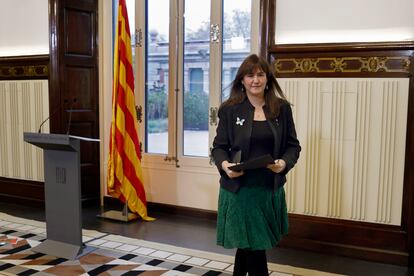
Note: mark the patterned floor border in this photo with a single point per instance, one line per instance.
(114, 255)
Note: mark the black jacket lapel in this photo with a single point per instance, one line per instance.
(277, 135)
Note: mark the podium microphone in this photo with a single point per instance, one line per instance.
(50, 116)
(70, 115)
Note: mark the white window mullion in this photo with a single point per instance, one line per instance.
(175, 76)
(215, 65)
(255, 28)
(140, 37)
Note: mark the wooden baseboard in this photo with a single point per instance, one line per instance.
(356, 252)
(22, 191)
(185, 211)
(116, 204)
(31, 193)
(360, 240)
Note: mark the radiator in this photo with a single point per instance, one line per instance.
(23, 106)
(352, 132)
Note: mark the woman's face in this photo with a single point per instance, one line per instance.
(255, 83)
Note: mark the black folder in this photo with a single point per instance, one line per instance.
(255, 163)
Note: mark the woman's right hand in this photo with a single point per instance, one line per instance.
(232, 174)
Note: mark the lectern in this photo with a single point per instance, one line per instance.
(62, 193)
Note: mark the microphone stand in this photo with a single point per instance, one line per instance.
(70, 115)
(50, 116)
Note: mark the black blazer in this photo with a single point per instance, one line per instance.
(234, 132)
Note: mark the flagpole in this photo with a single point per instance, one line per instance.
(125, 177)
(123, 215)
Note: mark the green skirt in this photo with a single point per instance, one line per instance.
(254, 218)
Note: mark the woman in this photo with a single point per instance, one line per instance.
(256, 120)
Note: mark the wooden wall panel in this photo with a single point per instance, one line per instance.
(369, 61)
(79, 43)
(71, 70)
(80, 92)
(356, 60)
(74, 80)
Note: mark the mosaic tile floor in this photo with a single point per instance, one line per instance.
(112, 255)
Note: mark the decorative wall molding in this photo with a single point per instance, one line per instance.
(371, 64)
(386, 59)
(24, 71)
(24, 67)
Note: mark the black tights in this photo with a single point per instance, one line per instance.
(253, 262)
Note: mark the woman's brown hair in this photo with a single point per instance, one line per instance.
(273, 93)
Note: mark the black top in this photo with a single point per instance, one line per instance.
(261, 143)
(262, 140)
(234, 133)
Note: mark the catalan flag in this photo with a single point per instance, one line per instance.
(125, 179)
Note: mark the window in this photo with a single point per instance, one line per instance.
(184, 72)
(156, 84)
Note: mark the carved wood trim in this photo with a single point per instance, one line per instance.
(321, 65)
(24, 67)
(383, 60)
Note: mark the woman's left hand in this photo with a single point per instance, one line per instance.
(278, 166)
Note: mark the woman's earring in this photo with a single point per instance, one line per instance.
(242, 88)
(267, 87)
